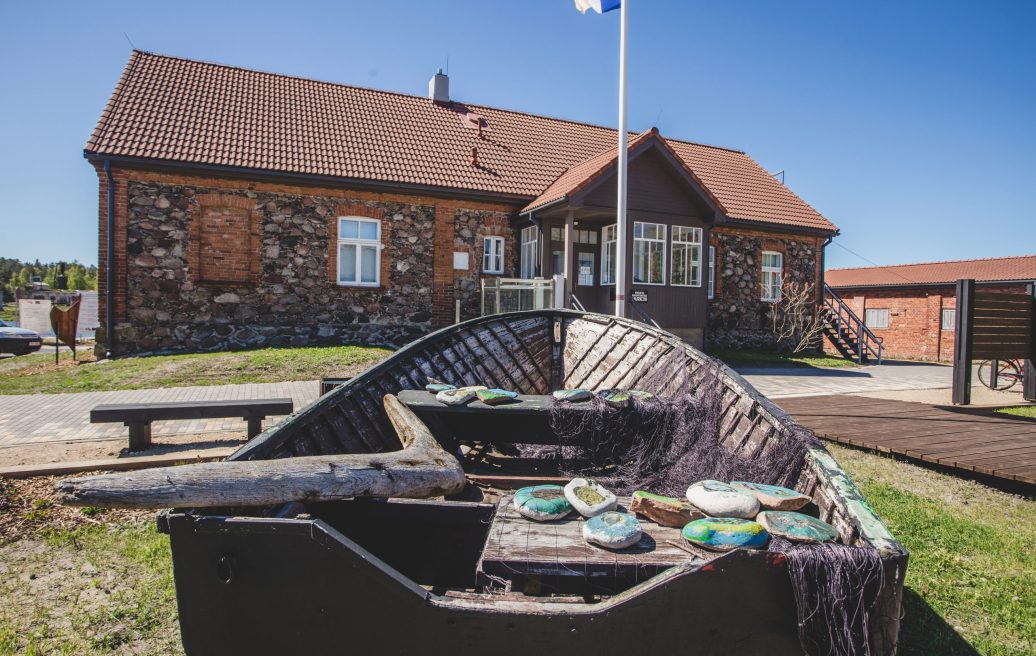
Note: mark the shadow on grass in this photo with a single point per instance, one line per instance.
(924, 632)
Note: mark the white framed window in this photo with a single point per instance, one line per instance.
(558, 258)
(557, 234)
(608, 247)
(772, 273)
(585, 268)
(876, 318)
(712, 272)
(493, 255)
(530, 251)
(359, 252)
(686, 266)
(949, 319)
(648, 253)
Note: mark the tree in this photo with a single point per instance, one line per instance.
(797, 324)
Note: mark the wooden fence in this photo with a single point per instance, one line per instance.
(993, 326)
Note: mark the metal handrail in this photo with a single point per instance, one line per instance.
(576, 304)
(866, 341)
(644, 316)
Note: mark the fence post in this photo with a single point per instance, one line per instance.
(1029, 378)
(962, 342)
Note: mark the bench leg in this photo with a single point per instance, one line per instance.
(255, 426)
(139, 435)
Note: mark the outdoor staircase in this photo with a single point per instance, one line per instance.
(846, 331)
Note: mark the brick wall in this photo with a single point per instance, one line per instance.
(207, 263)
(915, 315)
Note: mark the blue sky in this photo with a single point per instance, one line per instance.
(912, 125)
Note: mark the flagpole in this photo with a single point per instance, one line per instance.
(620, 219)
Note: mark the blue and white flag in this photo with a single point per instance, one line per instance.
(600, 6)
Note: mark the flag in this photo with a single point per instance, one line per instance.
(600, 6)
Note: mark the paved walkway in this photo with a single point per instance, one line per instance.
(811, 381)
(41, 418)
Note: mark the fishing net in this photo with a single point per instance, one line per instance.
(666, 442)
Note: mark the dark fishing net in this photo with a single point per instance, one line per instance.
(665, 443)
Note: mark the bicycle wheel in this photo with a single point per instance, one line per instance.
(1005, 376)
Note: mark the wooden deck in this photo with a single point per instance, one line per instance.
(968, 439)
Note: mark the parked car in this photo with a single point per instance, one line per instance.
(18, 340)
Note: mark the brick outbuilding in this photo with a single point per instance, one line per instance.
(911, 307)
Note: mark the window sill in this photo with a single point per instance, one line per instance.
(353, 285)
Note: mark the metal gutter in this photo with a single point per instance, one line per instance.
(109, 269)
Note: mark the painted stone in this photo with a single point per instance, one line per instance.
(573, 395)
(496, 396)
(641, 395)
(439, 387)
(458, 396)
(773, 497)
(589, 498)
(796, 526)
(664, 511)
(615, 397)
(717, 499)
(542, 502)
(726, 533)
(612, 530)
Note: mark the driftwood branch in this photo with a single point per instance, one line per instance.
(795, 317)
(421, 469)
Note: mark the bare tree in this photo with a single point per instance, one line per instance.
(796, 320)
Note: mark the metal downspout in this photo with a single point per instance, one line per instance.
(109, 272)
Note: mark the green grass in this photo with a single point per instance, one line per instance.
(92, 590)
(37, 374)
(8, 312)
(972, 571)
(741, 357)
(1020, 411)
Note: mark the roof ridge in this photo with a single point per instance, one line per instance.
(419, 97)
(977, 259)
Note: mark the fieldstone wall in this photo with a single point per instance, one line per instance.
(738, 318)
(292, 301)
(470, 228)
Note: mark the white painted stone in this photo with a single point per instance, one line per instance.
(603, 501)
(717, 499)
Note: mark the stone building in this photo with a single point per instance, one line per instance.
(242, 209)
(911, 308)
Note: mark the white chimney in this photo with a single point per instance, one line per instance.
(439, 88)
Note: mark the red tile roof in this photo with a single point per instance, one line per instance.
(180, 110)
(1022, 267)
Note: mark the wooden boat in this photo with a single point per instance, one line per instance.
(459, 575)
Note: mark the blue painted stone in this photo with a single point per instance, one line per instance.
(496, 396)
(797, 527)
(773, 497)
(726, 534)
(613, 530)
(573, 395)
(439, 387)
(542, 502)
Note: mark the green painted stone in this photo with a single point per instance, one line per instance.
(662, 510)
(773, 497)
(542, 503)
(458, 396)
(496, 396)
(615, 397)
(641, 395)
(726, 534)
(796, 526)
(573, 395)
(613, 530)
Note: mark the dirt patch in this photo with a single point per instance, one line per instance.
(57, 452)
(29, 508)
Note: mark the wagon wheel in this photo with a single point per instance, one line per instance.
(1007, 374)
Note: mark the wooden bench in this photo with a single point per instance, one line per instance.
(138, 416)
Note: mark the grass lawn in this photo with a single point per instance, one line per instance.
(107, 588)
(1020, 411)
(764, 358)
(9, 312)
(38, 374)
